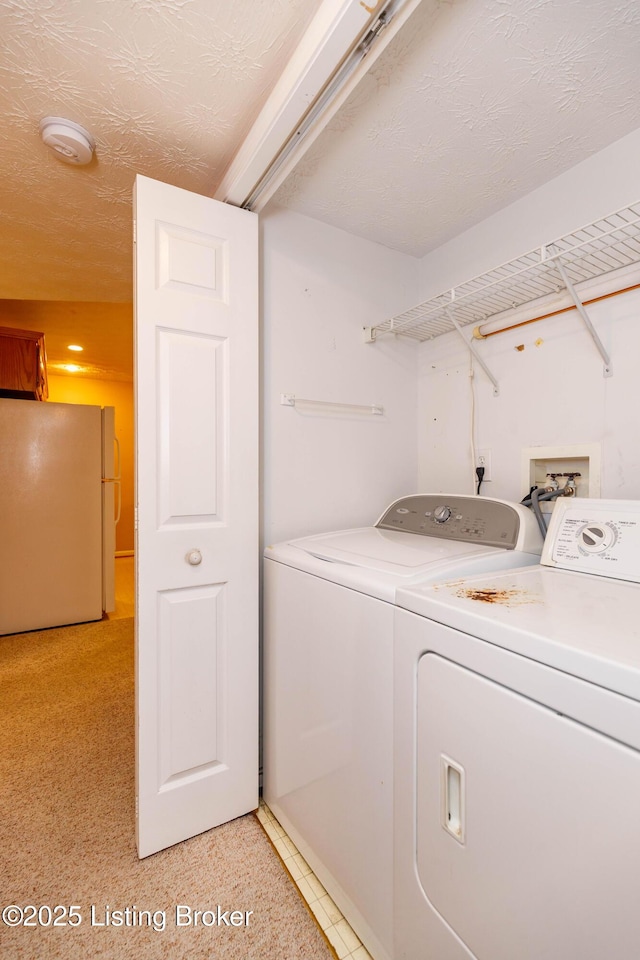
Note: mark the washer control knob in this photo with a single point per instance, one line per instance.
(194, 557)
(442, 514)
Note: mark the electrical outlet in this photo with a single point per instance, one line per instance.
(483, 459)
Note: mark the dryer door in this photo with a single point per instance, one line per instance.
(528, 834)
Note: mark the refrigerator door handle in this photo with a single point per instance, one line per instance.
(119, 510)
(117, 481)
(118, 476)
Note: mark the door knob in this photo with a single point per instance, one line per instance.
(194, 557)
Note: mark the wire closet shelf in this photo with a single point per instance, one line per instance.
(594, 251)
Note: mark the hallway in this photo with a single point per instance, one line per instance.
(125, 589)
(67, 822)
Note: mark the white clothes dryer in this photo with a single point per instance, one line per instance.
(328, 688)
(517, 763)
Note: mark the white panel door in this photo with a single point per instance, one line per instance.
(196, 323)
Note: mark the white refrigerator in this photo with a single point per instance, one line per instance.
(58, 493)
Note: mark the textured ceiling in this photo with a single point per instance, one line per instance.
(474, 104)
(168, 88)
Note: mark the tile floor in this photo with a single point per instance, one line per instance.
(335, 927)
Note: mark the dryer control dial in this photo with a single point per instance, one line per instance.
(600, 537)
(441, 514)
(596, 537)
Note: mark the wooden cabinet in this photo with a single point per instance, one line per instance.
(23, 364)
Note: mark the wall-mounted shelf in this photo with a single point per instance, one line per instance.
(558, 273)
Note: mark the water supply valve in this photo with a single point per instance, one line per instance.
(570, 484)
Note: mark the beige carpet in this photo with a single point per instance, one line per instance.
(67, 823)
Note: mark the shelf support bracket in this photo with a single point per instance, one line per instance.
(580, 307)
(471, 348)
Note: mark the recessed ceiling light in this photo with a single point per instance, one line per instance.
(71, 367)
(74, 346)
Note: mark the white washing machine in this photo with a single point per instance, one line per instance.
(517, 735)
(328, 680)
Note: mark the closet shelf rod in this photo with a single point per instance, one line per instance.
(479, 334)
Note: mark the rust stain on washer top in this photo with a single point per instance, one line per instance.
(510, 598)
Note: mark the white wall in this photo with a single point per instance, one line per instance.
(550, 394)
(325, 471)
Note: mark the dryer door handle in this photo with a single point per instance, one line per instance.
(452, 791)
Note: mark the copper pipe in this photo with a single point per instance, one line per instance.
(477, 333)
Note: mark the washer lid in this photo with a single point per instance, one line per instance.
(402, 554)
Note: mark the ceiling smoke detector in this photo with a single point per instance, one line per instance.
(68, 140)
